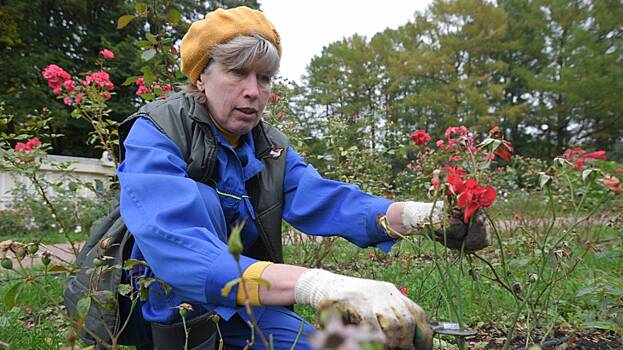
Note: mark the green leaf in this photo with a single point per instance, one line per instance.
(148, 54)
(59, 268)
(145, 282)
(124, 289)
(174, 16)
(228, 286)
(165, 286)
(544, 180)
(106, 298)
(143, 44)
(521, 262)
(151, 38)
(262, 282)
(585, 291)
(148, 97)
(607, 325)
(10, 298)
(486, 142)
(131, 263)
(123, 21)
(130, 80)
(235, 243)
(148, 75)
(586, 173)
(140, 7)
(83, 306)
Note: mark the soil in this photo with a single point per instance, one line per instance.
(590, 339)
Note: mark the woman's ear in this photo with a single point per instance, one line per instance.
(200, 86)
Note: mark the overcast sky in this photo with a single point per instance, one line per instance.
(306, 26)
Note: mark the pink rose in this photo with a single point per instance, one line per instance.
(69, 86)
(33, 143)
(68, 101)
(22, 147)
(101, 79)
(55, 76)
(79, 97)
(142, 89)
(107, 54)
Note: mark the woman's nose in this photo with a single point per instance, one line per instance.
(250, 88)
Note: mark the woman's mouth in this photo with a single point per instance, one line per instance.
(247, 111)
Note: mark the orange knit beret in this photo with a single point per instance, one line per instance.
(219, 27)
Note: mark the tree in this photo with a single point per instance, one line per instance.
(71, 34)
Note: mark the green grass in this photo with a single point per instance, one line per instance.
(36, 322)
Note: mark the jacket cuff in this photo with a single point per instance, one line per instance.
(220, 273)
(377, 235)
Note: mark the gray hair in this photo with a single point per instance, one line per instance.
(240, 52)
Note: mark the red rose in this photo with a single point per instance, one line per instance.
(420, 137)
(475, 196)
(595, 155)
(273, 98)
(504, 150)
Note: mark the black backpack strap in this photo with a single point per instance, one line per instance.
(185, 122)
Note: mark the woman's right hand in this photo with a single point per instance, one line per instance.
(380, 305)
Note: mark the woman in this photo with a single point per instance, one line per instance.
(182, 191)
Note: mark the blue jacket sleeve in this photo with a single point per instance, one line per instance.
(324, 207)
(178, 223)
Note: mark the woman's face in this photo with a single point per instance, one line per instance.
(236, 98)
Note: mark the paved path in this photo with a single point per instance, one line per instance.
(59, 253)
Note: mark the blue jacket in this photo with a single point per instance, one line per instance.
(181, 226)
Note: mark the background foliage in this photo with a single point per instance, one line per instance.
(548, 72)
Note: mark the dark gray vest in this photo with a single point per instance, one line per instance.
(187, 123)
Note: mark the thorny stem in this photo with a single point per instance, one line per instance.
(248, 308)
(100, 136)
(127, 320)
(509, 334)
(497, 277)
(35, 181)
(220, 336)
(185, 333)
(298, 335)
(49, 204)
(498, 239)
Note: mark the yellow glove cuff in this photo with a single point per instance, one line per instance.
(384, 224)
(251, 275)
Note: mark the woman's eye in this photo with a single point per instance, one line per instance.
(237, 72)
(265, 78)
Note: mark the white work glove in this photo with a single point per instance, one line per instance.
(380, 305)
(416, 215)
(458, 235)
